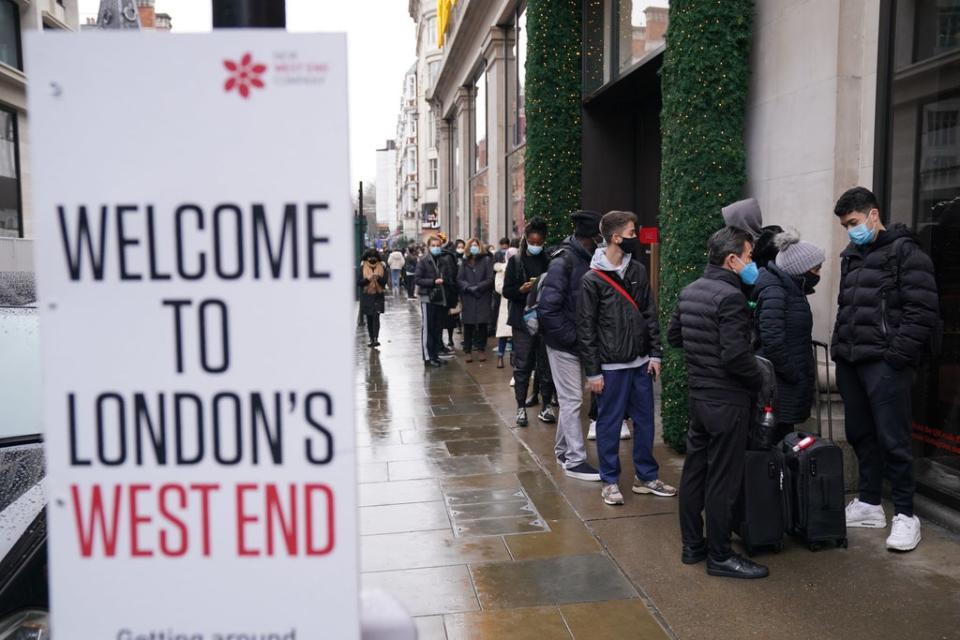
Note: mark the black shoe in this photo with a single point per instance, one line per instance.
(532, 401)
(694, 554)
(736, 567)
(432, 363)
(376, 343)
(546, 415)
(521, 417)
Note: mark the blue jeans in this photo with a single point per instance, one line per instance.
(395, 279)
(626, 392)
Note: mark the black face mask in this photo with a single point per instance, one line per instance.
(372, 260)
(810, 281)
(630, 245)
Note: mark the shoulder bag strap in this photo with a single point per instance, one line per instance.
(613, 283)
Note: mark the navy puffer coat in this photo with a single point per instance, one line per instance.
(784, 325)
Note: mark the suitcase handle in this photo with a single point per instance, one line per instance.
(817, 345)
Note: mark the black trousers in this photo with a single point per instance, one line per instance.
(411, 283)
(373, 326)
(529, 353)
(878, 421)
(712, 473)
(431, 329)
(475, 337)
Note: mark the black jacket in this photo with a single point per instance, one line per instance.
(449, 265)
(785, 325)
(410, 264)
(888, 305)
(475, 280)
(560, 296)
(426, 276)
(712, 325)
(370, 303)
(609, 328)
(520, 268)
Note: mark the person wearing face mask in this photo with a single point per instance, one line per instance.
(522, 272)
(373, 278)
(558, 302)
(618, 337)
(711, 323)
(475, 280)
(433, 303)
(887, 317)
(504, 331)
(785, 325)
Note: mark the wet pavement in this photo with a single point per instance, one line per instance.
(471, 524)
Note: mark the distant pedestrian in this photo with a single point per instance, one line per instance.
(501, 253)
(476, 294)
(373, 278)
(618, 336)
(522, 272)
(433, 303)
(712, 325)
(410, 272)
(558, 305)
(784, 324)
(395, 262)
(504, 330)
(889, 312)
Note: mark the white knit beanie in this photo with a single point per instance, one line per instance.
(796, 257)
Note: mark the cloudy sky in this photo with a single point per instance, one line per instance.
(381, 47)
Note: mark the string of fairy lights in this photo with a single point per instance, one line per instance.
(705, 78)
(552, 106)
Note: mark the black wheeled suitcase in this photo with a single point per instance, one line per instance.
(760, 522)
(813, 483)
(759, 513)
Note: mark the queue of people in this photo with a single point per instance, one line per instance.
(581, 315)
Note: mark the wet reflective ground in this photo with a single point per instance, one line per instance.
(473, 526)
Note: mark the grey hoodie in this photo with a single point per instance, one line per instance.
(745, 215)
(601, 262)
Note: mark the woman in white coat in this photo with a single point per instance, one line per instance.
(504, 331)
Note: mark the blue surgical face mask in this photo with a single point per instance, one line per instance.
(750, 272)
(435, 251)
(474, 250)
(534, 250)
(860, 234)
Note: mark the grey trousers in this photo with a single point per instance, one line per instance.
(568, 380)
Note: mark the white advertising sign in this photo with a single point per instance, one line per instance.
(190, 204)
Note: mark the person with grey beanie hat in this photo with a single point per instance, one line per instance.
(785, 325)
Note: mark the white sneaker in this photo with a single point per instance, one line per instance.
(592, 431)
(904, 534)
(511, 382)
(868, 516)
(625, 431)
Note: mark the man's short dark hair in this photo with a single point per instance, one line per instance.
(537, 225)
(725, 242)
(505, 241)
(614, 221)
(858, 199)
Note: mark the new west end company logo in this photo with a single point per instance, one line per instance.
(243, 75)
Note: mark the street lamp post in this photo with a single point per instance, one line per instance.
(249, 13)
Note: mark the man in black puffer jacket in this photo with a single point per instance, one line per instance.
(888, 313)
(785, 325)
(712, 325)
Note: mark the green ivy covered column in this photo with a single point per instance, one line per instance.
(552, 107)
(704, 84)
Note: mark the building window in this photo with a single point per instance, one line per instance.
(433, 69)
(480, 123)
(518, 120)
(432, 173)
(11, 220)
(10, 34)
(917, 178)
(430, 31)
(620, 35)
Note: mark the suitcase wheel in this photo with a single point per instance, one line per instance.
(814, 546)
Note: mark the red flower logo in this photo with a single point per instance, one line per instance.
(244, 75)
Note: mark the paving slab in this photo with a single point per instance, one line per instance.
(423, 549)
(534, 623)
(425, 592)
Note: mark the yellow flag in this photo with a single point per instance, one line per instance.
(443, 14)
